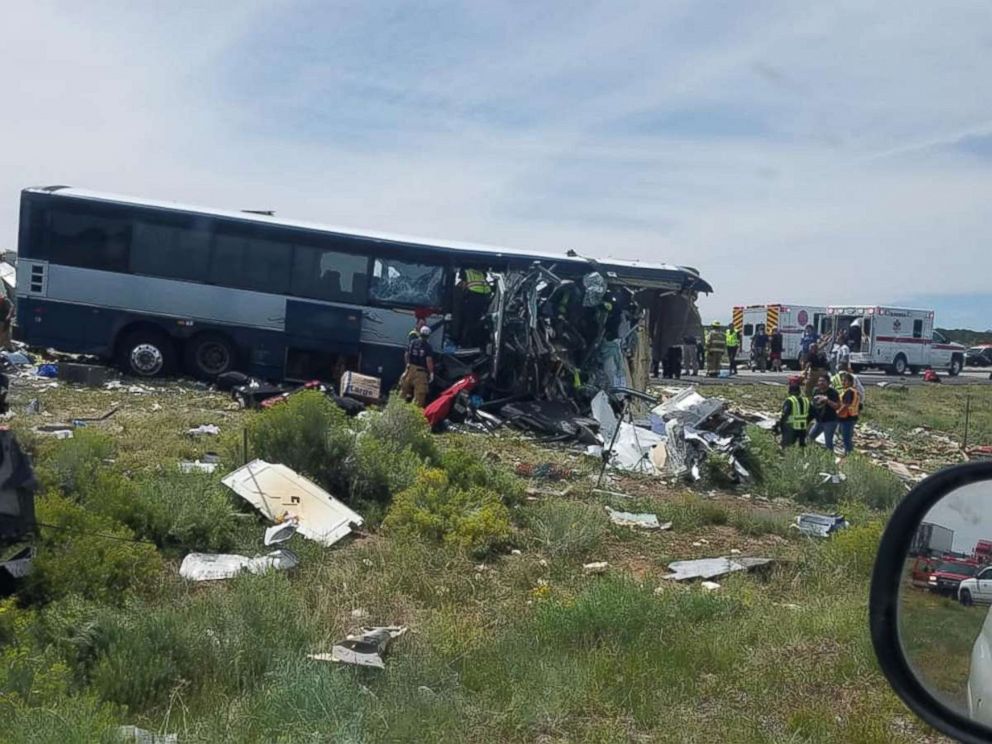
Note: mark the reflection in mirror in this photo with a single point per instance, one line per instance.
(945, 623)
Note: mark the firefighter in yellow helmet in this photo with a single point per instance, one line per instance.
(716, 344)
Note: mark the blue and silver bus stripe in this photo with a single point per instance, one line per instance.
(204, 303)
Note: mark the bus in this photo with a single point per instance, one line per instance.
(160, 287)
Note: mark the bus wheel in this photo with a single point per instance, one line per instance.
(209, 355)
(899, 365)
(146, 353)
(956, 365)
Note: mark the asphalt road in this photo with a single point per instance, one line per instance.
(970, 376)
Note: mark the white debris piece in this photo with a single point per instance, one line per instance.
(711, 568)
(195, 466)
(710, 586)
(834, 478)
(633, 444)
(204, 430)
(280, 533)
(596, 568)
(367, 649)
(215, 566)
(820, 525)
(644, 521)
(135, 735)
(280, 494)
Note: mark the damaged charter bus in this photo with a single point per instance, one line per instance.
(159, 287)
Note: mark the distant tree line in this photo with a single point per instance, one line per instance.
(967, 336)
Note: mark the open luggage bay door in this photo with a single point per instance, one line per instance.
(282, 494)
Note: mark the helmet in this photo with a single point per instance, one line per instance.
(425, 330)
(412, 334)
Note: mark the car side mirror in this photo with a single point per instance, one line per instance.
(933, 633)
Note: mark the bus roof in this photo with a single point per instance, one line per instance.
(637, 273)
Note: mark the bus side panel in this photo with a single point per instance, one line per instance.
(385, 362)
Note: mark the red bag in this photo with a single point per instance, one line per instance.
(438, 410)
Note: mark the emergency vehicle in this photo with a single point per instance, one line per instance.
(895, 339)
(790, 319)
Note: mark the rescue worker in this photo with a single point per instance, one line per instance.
(733, 346)
(795, 415)
(716, 344)
(847, 412)
(809, 338)
(759, 348)
(689, 355)
(475, 302)
(419, 373)
(826, 401)
(837, 383)
(816, 365)
(777, 344)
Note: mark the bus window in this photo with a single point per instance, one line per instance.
(89, 241)
(251, 263)
(171, 251)
(329, 275)
(403, 283)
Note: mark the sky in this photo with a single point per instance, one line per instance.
(967, 511)
(789, 152)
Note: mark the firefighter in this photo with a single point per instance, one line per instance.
(795, 415)
(419, 372)
(716, 344)
(733, 346)
(476, 294)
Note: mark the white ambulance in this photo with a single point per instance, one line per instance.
(895, 339)
(791, 319)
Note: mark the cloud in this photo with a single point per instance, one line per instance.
(814, 154)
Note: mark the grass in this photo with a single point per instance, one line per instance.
(938, 633)
(514, 647)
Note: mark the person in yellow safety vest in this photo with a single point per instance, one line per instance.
(795, 415)
(847, 414)
(733, 346)
(837, 383)
(477, 294)
(716, 344)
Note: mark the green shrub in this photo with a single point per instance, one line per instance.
(437, 510)
(465, 468)
(392, 445)
(567, 529)
(403, 425)
(852, 551)
(222, 641)
(88, 554)
(378, 469)
(191, 510)
(869, 484)
(71, 463)
(307, 433)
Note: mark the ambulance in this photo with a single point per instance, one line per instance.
(791, 319)
(895, 339)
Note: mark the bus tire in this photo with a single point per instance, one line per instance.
(899, 365)
(146, 352)
(957, 363)
(208, 355)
